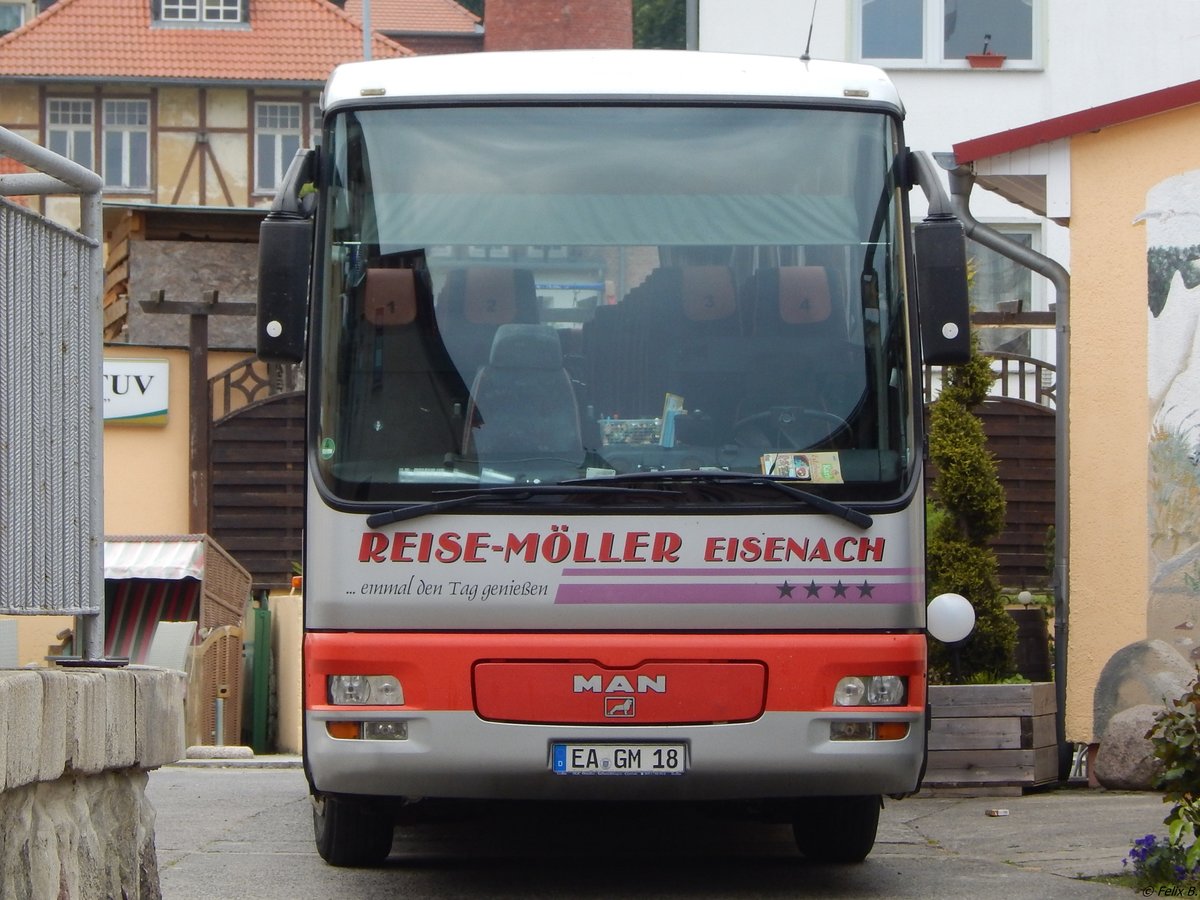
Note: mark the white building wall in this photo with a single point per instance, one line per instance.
(1090, 53)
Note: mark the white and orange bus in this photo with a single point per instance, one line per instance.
(614, 435)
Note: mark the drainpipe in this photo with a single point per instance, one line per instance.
(962, 179)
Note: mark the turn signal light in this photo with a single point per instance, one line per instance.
(868, 731)
(372, 730)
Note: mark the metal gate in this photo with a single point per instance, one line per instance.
(51, 400)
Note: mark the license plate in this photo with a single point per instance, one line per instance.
(618, 759)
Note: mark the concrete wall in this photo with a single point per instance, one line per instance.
(75, 748)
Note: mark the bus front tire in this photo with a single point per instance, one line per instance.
(836, 829)
(351, 832)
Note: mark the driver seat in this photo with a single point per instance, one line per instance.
(806, 360)
(522, 402)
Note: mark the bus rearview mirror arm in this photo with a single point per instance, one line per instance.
(939, 244)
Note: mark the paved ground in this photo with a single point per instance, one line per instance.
(1068, 832)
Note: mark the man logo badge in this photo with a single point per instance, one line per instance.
(618, 708)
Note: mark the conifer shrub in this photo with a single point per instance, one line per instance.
(969, 505)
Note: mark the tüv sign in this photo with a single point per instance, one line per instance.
(136, 391)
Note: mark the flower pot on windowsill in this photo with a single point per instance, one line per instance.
(986, 60)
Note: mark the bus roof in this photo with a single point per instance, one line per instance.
(608, 74)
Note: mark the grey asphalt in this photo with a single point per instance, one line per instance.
(1071, 831)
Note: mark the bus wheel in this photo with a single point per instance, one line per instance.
(836, 829)
(351, 832)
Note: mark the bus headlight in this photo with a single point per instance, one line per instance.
(362, 690)
(870, 690)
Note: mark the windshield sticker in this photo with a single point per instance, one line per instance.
(816, 468)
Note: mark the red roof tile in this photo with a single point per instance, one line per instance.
(287, 41)
(417, 16)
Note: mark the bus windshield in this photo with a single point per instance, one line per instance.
(533, 294)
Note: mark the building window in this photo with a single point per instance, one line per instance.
(999, 284)
(69, 130)
(277, 137)
(12, 16)
(900, 33)
(201, 11)
(127, 144)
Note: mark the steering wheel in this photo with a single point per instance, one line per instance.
(789, 427)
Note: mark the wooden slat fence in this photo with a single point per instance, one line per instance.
(256, 497)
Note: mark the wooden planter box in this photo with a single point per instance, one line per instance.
(992, 735)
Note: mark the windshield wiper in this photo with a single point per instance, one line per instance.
(720, 476)
(504, 492)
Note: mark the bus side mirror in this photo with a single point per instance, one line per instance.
(285, 248)
(944, 309)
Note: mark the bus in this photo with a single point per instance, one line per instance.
(614, 436)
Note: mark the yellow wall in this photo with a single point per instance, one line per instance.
(287, 633)
(178, 107)
(21, 108)
(146, 467)
(1111, 171)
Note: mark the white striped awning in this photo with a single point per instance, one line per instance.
(170, 557)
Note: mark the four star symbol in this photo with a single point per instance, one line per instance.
(812, 590)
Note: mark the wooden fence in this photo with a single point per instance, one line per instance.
(1018, 420)
(256, 495)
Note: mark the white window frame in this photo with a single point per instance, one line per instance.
(314, 124)
(65, 120)
(933, 41)
(278, 136)
(210, 11)
(119, 173)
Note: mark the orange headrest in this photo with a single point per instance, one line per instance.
(390, 297)
(708, 293)
(804, 295)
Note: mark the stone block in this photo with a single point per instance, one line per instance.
(74, 746)
(86, 751)
(21, 706)
(57, 703)
(120, 735)
(1125, 760)
(160, 724)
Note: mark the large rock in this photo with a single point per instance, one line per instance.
(1149, 671)
(1125, 760)
(91, 836)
